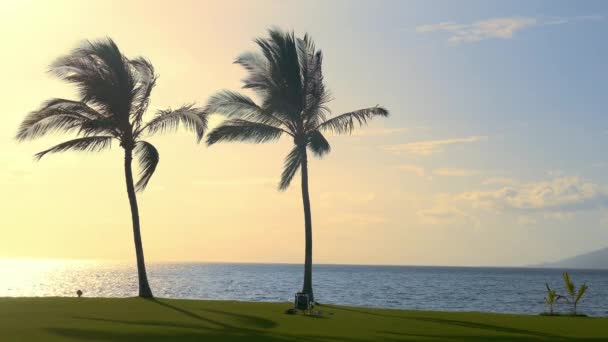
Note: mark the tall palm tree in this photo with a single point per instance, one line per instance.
(114, 95)
(287, 78)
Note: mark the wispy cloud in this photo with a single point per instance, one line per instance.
(234, 182)
(415, 169)
(346, 198)
(441, 172)
(499, 181)
(526, 220)
(378, 132)
(444, 213)
(440, 215)
(496, 28)
(560, 194)
(425, 148)
(556, 199)
(455, 172)
(357, 219)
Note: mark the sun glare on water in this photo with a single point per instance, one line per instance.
(48, 277)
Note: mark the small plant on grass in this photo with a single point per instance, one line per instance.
(552, 298)
(574, 294)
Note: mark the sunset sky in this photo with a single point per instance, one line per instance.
(494, 154)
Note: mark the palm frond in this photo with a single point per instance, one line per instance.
(258, 76)
(233, 104)
(192, 118)
(102, 74)
(581, 292)
(290, 167)
(315, 94)
(100, 126)
(569, 284)
(318, 144)
(345, 123)
(145, 81)
(56, 115)
(277, 79)
(32, 128)
(243, 130)
(148, 160)
(90, 144)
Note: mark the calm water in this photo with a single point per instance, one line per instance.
(511, 290)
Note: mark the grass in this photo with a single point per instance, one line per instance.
(133, 319)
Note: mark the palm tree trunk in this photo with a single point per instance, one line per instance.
(308, 228)
(144, 287)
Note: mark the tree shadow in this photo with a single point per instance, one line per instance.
(257, 322)
(254, 328)
(85, 334)
(399, 336)
(363, 311)
(151, 323)
(105, 335)
(190, 313)
(484, 326)
(459, 323)
(253, 321)
(209, 328)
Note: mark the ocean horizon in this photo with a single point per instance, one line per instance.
(518, 290)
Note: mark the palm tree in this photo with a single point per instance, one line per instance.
(287, 78)
(114, 95)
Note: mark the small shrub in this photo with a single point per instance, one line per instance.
(551, 299)
(574, 294)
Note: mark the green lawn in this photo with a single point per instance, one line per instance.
(96, 319)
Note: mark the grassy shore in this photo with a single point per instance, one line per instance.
(132, 319)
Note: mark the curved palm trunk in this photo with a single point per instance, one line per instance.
(144, 287)
(308, 228)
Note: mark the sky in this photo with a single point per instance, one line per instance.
(493, 153)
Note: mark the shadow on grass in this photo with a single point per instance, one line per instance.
(190, 313)
(254, 321)
(250, 322)
(529, 335)
(253, 328)
(484, 326)
(105, 335)
(208, 328)
(398, 336)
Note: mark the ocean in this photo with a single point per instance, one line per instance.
(504, 290)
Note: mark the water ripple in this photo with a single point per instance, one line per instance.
(511, 290)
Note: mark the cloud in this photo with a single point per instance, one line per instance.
(372, 132)
(499, 181)
(415, 169)
(357, 219)
(440, 215)
(348, 197)
(496, 28)
(501, 28)
(235, 182)
(378, 132)
(445, 213)
(425, 148)
(441, 172)
(557, 199)
(559, 215)
(454, 172)
(525, 220)
(560, 194)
